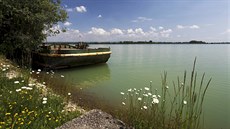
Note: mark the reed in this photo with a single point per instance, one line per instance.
(175, 106)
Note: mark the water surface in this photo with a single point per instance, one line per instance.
(134, 66)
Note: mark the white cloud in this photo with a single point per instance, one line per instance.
(139, 31)
(194, 27)
(166, 33)
(98, 31)
(189, 27)
(135, 32)
(76, 31)
(114, 34)
(71, 31)
(81, 9)
(117, 31)
(71, 35)
(67, 23)
(180, 27)
(161, 28)
(134, 21)
(69, 10)
(142, 19)
(153, 29)
(228, 31)
(130, 31)
(99, 16)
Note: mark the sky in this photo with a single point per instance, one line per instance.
(145, 20)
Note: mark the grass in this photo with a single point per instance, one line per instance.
(26, 104)
(175, 106)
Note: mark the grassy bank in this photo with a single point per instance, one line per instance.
(175, 106)
(26, 103)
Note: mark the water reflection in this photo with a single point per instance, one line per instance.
(81, 79)
(77, 81)
(86, 76)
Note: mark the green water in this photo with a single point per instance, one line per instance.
(134, 66)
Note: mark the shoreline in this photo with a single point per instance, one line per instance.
(150, 43)
(90, 118)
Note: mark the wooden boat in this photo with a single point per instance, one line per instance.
(57, 56)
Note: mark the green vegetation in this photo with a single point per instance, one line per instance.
(173, 107)
(28, 104)
(26, 23)
(196, 42)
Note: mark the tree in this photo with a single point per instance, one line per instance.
(25, 24)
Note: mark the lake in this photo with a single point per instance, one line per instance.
(134, 66)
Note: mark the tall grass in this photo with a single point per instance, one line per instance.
(175, 106)
(24, 105)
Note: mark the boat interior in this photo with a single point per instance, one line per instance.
(64, 46)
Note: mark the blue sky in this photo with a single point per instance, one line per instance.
(144, 20)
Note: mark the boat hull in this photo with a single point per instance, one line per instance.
(59, 61)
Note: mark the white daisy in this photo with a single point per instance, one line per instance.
(155, 100)
(146, 88)
(16, 82)
(185, 102)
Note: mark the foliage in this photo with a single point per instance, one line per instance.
(173, 107)
(28, 105)
(25, 24)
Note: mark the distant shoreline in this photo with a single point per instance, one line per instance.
(176, 43)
